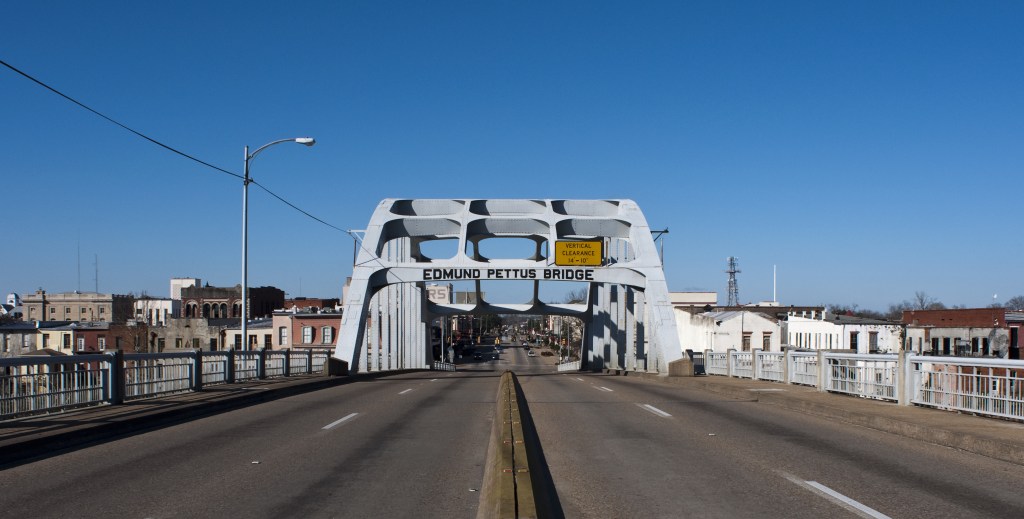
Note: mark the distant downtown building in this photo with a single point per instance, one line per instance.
(77, 307)
(226, 302)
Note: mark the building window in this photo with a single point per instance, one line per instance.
(746, 341)
(53, 310)
(307, 335)
(853, 340)
(177, 343)
(81, 344)
(326, 335)
(161, 343)
(282, 336)
(67, 310)
(238, 341)
(67, 341)
(872, 342)
(266, 341)
(766, 341)
(102, 342)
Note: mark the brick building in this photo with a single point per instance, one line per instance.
(971, 332)
(226, 302)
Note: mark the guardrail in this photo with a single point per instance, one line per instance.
(39, 385)
(991, 387)
(442, 366)
(572, 365)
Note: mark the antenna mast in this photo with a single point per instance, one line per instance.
(734, 290)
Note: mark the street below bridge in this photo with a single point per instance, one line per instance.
(414, 445)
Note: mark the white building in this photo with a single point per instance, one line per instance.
(826, 331)
(179, 283)
(155, 311)
(720, 331)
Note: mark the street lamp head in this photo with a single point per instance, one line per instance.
(308, 141)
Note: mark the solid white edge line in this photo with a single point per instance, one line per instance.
(336, 422)
(837, 498)
(655, 410)
(404, 392)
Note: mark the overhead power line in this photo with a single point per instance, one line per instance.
(158, 143)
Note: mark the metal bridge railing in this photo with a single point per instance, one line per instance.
(770, 365)
(990, 387)
(571, 365)
(55, 383)
(39, 385)
(983, 386)
(442, 366)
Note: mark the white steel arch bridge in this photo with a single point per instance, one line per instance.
(628, 319)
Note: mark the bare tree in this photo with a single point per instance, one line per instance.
(1015, 303)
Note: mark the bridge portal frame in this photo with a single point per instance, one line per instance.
(628, 319)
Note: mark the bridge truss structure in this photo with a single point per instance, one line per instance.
(628, 322)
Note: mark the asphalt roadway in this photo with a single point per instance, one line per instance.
(413, 445)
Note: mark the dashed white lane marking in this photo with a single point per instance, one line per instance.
(602, 388)
(580, 379)
(404, 392)
(839, 499)
(433, 380)
(340, 421)
(655, 410)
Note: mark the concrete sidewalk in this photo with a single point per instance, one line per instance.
(26, 439)
(992, 437)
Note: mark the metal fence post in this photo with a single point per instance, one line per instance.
(309, 361)
(287, 362)
(754, 368)
(117, 377)
(822, 371)
(229, 369)
(903, 378)
(786, 359)
(261, 363)
(197, 370)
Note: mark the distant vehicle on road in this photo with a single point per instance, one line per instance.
(477, 356)
(525, 344)
(531, 353)
(546, 354)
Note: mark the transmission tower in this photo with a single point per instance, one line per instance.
(734, 289)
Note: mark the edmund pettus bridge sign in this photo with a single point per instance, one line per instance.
(604, 245)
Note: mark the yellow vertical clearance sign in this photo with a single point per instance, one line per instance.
(579, 253)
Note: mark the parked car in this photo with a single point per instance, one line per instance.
(531, 353)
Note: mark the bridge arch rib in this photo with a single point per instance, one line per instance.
(628, 319)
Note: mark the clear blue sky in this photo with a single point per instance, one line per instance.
(868, 149)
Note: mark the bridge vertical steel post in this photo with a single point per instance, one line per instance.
(229, 366)
(117, 377)
(261, 363)
(197, 370)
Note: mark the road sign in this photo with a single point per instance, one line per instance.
(579, 253)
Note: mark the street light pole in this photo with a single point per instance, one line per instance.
(246, 179)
